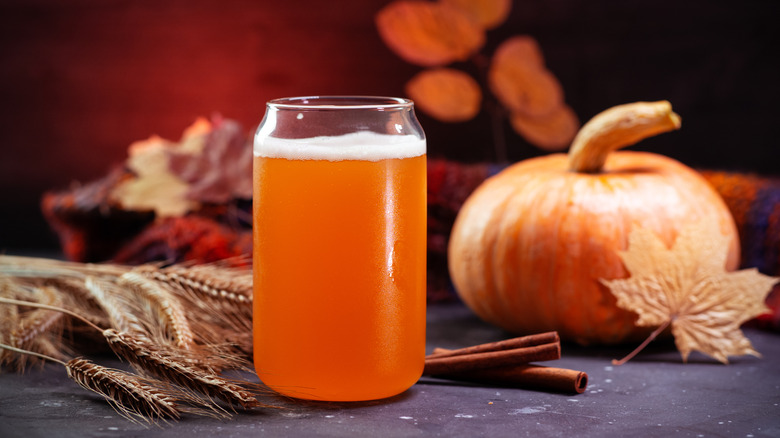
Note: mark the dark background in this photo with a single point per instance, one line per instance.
(82, 79)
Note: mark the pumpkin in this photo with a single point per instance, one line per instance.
(530, 245)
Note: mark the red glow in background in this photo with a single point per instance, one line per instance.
(82, 79)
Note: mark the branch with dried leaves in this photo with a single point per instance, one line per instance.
(518, 85)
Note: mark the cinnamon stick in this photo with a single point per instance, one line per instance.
(449, 364)
(528, 377)
(508, 344)
(506, 363)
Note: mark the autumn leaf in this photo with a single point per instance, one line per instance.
(550, 132)
(429, 34)
(222, 170)
(520, 48)
(487, 13)
(154, 187)
(446, 94)
(687, 287)
(520, 81)
(212, 163)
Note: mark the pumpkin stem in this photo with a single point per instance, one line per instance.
(616, 128)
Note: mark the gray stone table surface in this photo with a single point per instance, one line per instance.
(654, 395)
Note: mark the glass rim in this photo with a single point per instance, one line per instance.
(314, 103)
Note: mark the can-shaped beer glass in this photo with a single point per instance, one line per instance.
(339, 249)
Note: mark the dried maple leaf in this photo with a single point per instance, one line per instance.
(154, 187)
(446, 94)
(429, 34)
(688, 288)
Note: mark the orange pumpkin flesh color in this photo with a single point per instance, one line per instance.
(530, 245)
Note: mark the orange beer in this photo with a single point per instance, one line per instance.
(339, 265)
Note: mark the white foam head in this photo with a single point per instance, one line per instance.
(361, 145)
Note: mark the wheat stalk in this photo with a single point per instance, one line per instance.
(214, 298)
(160, 300)
(36, 267)
(223, 293)
(37, 329)
(231, 286)
(110, 299)
(79, 296)
(152, 313)
(174, 368)
(9, 318)
(177, 367)
(130, 396)
(220, 300)
(36, 321)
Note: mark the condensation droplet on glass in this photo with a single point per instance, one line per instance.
(299, 116)
(399, 128)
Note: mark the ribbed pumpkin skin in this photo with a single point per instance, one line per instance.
(530, 245)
